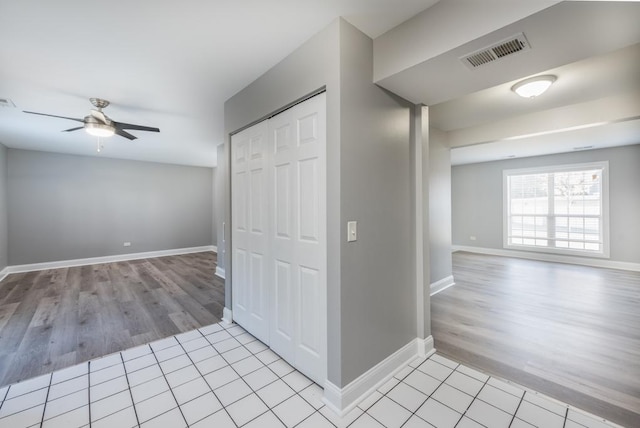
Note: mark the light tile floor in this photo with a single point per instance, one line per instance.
(220, 376)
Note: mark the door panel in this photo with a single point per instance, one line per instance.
(249, 235)
(283, 204)
(310, 241)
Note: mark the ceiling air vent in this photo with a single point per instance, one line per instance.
(510, 46)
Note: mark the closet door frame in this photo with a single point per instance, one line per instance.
(295, 259)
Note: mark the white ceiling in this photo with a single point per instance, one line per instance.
(173, 64)
(167, 64)
(592, 47)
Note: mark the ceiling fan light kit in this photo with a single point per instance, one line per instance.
(99, 129)
(533, 86)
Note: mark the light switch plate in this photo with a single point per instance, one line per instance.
(352, 231)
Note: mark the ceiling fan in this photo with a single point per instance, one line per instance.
(99, 125)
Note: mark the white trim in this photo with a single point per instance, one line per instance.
(214, 248)
(419, 113)
(106, 259)
(426, 347)
(227, 315)
(443, 284)
(343, 400)
(584, 261)
(4, 273)
(220, 272)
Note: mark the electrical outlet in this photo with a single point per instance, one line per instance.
(127, 244)
(472, 238)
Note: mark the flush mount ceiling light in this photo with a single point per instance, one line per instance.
(534, 86)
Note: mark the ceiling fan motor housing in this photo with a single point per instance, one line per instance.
(99, 102)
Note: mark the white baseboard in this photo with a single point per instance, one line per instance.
(343, 400)
(220, 272)
(4, 273)
(426, 347)
(106, 259)
(443, 284)
(214, 248)
(558, 258)
(227, 315)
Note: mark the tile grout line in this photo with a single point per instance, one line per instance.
(474, 398)
(442, 382)
(428, 395)
(513, 418)
(126, 376)
(413, 369)
(153, 352)
(202, 376)
(240, 377)
(269, 409)
(44, 409)
(6, 394)
(88, 389)
(314, 408)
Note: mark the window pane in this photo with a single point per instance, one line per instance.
(528, 226)
(528, 194)
(516, 226)
(558, 209)
(592, 226)
(562, 227)
(576, 228)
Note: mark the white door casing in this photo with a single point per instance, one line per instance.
(295, 281)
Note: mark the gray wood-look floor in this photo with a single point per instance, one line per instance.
(571, 332)
(56, 318)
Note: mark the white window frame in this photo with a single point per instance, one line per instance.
(604, 217)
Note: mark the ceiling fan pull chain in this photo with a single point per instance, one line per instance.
(100, 146)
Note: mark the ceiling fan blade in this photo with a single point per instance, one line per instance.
(53, 115)
(100, 116)
(120, 125)
(73, 129)
(125, 134)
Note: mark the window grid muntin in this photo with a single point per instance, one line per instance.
(574, 205)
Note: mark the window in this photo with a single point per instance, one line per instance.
(559, 209)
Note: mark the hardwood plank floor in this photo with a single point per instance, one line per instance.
(56, 318)
(571, 332)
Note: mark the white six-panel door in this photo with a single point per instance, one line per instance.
(250, 222)
(295, 282)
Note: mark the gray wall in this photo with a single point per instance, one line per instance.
(371, 295)
(65, 207)
(4, 232)
(439, 205)
(378, 289)
(477, 198)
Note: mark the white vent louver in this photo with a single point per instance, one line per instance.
(510, 46)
